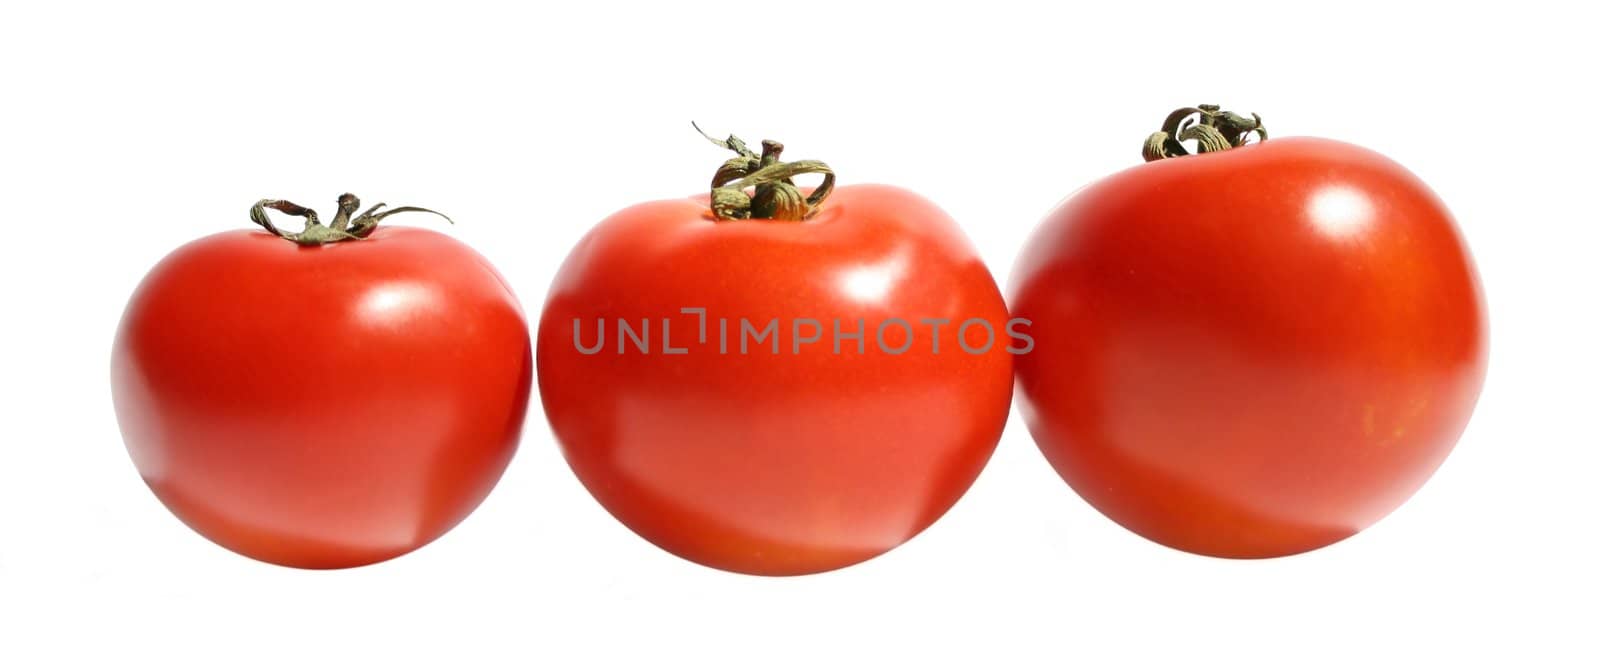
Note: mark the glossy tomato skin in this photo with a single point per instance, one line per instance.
(1250, 353)
(322, 407)
(776, 464)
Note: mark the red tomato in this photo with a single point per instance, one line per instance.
(322, 406)
(786, 458)
(1252, 352)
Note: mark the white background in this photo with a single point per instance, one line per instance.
(131, 128)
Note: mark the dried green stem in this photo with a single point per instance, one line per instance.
(1211, 128)
(773, 193)
(343, 228)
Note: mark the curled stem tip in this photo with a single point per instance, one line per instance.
(1211, 128)
(773, 194)
(343, 228)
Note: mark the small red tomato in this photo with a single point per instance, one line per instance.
(1249, 352)
(758, 388)
(323, 399)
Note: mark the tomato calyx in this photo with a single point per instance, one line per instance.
(1211, 128)
(774, 195)
(343, 227)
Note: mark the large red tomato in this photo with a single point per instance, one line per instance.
(1254, 351)
(816, 446)
(322, 403)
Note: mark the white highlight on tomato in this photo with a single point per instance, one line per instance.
(873, 282)
(1340, 212)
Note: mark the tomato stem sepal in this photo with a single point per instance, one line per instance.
(1211, 128)
(343, 228)
(775, 196)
